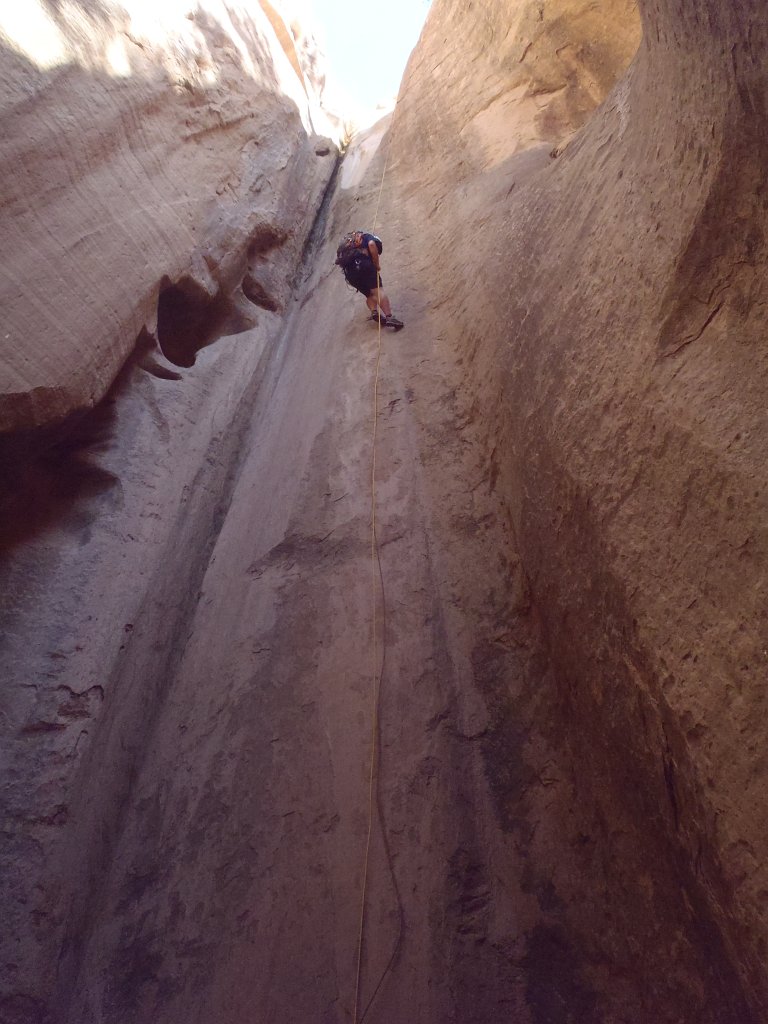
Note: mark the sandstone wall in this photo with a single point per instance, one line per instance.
(142, 150)
(608, 308)
(506, 77)
(571, 808)
(160, 180)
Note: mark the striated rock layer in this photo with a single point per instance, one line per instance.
(162, 176)
(147, 159)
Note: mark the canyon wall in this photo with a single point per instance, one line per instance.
(566, 814)
(152, 160)
(607, 302)
(162, 170)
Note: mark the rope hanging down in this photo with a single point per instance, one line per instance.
(377, 674)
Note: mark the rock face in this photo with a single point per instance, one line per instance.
(608, 306)
(147, 158)
(558, 639)
(538, 69)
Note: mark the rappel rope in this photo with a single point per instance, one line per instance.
(376, 671)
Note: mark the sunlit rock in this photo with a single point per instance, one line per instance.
(141, 142)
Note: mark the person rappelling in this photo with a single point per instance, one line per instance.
(358, 255)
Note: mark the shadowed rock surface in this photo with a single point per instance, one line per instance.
(569, 814)
(614, 336)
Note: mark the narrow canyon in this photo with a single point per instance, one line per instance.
(352, 675)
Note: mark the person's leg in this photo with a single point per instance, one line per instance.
(376, 297)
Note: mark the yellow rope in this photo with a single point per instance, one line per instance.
(374, 604)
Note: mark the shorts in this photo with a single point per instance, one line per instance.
(363, 276)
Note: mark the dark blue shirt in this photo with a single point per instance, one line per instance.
(368, 238)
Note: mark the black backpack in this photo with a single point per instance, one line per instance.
(348, 256)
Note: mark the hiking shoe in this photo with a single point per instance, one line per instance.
(378, 317)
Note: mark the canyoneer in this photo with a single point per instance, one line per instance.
(358, 256)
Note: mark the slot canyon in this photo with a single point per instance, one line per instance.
(351, 674)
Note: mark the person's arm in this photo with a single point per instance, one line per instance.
(374, 251)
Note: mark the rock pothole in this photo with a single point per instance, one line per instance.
(189, 319)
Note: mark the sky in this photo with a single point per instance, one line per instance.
(367, 45)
